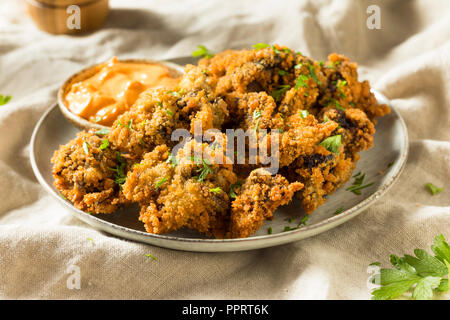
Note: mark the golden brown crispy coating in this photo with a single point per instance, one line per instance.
(183, 191)
(260, 196)
(87, 175)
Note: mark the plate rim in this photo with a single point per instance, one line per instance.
(210, 245)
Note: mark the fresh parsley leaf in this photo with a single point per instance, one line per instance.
(433, 189)
(204, 171)
(301, 81)
(172, 160)
(283, 72)
(277, 93)
(148, 255)
(313, 74)
(422, 273)
(103, 131)
(261, 46)
(233, 187)
(303, 221)
(129, 125)
(269, 231)
(440, 248)
(332, 143)
(304, 114)
(86, 147)
(202, 51)
(339, 211)
(357, 185)
(215, 190)
(105, 144)
(120, 175)
(4, 99)
(160, 182)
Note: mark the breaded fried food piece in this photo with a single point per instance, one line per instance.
(88, 172)
(321, 172)
(344, 90)
(260, 195)
(158, 112)
(183, 191)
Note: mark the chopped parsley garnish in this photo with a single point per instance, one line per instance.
(304, 114)
(288, 228)
(129, 125)
(313, 74)
(303, 221)
(120, 175)
(215, 190)
(170, 113)
(390, 164)
(283, 72)
(204, 171)
(102, 131)
(256, 114)
(298, 66)
(160, 182)
(301, 81)
(233, 187)
(4, 99)
(276, 50)
(105, 144)
(357, 185)
(339, 211)
(260, 46)
(172, 159)
(202, 51)
(62, 196)
(277, 93)
(338, 105)
(86, 147)
(433, 189)
(269, 231)
(340, 84)
(424, 274)
(148, 255)
(332, 143)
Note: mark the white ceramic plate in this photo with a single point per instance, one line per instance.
(388, 155)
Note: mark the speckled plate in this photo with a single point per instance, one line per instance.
(382, 165)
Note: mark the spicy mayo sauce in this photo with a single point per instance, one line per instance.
(114, 88)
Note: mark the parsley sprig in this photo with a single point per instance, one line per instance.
(332, 143)
(233, 187)
(4, 99)
(203, 52)
(424, 274)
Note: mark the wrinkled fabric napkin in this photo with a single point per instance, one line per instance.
(407, 59)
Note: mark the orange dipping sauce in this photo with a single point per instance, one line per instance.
(114, 89)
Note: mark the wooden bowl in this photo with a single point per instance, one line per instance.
(174, 69)
(60, 16)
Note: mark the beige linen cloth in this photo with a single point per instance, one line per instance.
(408, 60)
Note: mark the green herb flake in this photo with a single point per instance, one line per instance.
(129, 125)
(357, 185)
(259, 46)
(313, 74)
(277, 93)
(269, 231)
(119, 170)
(339, 211)
(170, 113)
(300, 82)
(433, 189)
(215, 190)
(4, 99)
(105, 144)
(304, 114)
(160, 182)
(103, 131)
(298, 66)
(172, 160)
(283, 72)
(303, 221)
(203, 52)
(204, 171)
(86, 147)
(148, 255)
(233, 187)
(332, 143)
